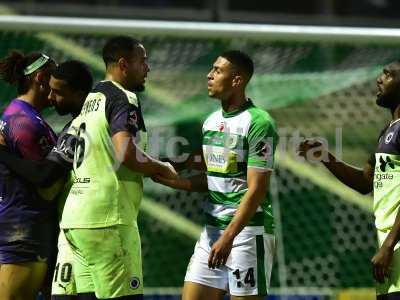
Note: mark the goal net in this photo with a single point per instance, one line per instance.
(315, 82)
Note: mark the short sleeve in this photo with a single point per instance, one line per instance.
(26, 138)
(262, 140)
(123, 116)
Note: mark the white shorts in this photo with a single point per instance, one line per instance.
(248, 268)
(63, 278)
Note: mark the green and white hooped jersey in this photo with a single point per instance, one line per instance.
(233, 142)
(104, 192)
(387, 177)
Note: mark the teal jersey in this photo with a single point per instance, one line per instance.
(232, 143)
(104, 192)
(386, 165)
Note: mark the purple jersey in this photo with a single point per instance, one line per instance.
(23, 215)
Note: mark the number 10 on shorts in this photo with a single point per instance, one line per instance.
(65, 272)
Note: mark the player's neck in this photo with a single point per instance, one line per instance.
(34, 99)
(396, 113)
(233, 103)
(116, 78)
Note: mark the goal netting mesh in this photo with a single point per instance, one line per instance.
(323, 88)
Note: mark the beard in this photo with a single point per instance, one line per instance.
(139, 88)
(62, 111)
(389, 100)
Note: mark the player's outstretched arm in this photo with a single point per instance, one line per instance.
(358, 179)
(258, 183)
(41, 173)
(194, 161)
(196, 183)
(137, 160)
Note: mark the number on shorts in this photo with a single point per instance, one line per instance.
(248, 279)
(65, 274)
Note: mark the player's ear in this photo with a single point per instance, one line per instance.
(41, 78)
(122, 64)
(237, 80)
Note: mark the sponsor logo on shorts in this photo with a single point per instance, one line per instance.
(41, 259)
(134, 283)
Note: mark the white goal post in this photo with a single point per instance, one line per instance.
(201, 29)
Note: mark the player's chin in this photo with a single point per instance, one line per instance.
(384, 102)
(211, 93)
(62, 111)
(139, 88)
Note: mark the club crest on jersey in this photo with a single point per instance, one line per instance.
(389, 137)
(221, 126)
(132, 118)
(231, 141)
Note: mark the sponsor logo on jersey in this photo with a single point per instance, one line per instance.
(3, 124)
(216, 159)
(66, 146)
(82, 180)
(384, 163)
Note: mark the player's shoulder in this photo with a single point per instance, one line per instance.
(15, 111)
(213, 117)
(390, 134)
(114, 92)
(260, 117)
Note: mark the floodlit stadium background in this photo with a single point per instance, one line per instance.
(322, 86)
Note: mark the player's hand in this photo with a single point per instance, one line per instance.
(2, 140)
(167, 171)
(173, 183)
(381, 263)
(311, 149)
(220, 252)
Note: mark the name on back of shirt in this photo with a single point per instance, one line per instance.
(90, 106)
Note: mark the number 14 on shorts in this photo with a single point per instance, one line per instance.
(247, 280)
